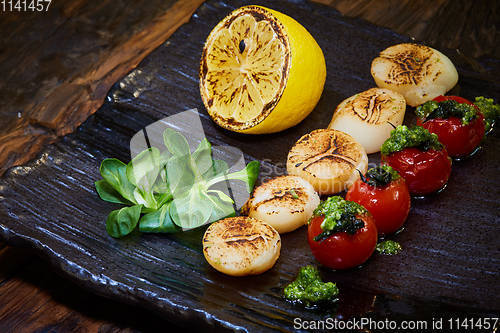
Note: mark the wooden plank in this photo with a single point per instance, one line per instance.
(55, 304)
(470, 26)
(34, 298)
(58, 66)
(169, 272)
(56, 75)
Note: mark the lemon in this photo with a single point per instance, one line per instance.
(260, 72)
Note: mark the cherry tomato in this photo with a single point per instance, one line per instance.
(459, 99)
(424, 171)
(459, 139)
(342, 250)
(389, 204)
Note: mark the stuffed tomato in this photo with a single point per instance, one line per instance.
(384, 193)
(341, 234)
(419, 157)
(457, 122)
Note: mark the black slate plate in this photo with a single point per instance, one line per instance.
(450, 262)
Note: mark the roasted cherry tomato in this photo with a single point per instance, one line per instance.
(343, 249)
(459, 139)
(425, 171)
(453, 98)
(385, 194)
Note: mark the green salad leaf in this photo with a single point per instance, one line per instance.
(114, 173)
(122, 221)
(203, 156)
(145, 198)
(176, 143)
(222, 205)
(248, 175)
(108, 193)
(179, 173)
(192, 209)
(158, 221)
(172, 188)
(143, 170)
(217, 168)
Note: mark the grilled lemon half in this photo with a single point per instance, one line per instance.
(260, 72)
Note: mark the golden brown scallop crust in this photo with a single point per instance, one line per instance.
(284, 193)
(285, 203)
(241, 246)
(410, 63)
(326, 155)
(369, 116)
(418, 72)
(320, 148)
(374, 106)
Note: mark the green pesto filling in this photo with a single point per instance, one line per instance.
(403, 137)
(308, 288)
(388, 247)
(490, 111)
(340, 216)
(380, 176)
(445, 109)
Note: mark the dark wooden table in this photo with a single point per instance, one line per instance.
(56, 70)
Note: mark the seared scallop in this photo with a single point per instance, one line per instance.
(286, 203)
(241, 246)
(369, 116)
(417, 72)
(328, 159)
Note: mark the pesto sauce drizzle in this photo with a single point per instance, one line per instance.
(403, 137)
(308, 288)
(445, 109)
(340, 216)
(388, 247)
